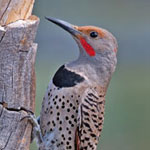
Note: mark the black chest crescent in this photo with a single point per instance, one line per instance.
(64, 78)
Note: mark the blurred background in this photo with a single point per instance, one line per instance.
(127, 117)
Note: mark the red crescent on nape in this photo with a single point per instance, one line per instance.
(88, 48)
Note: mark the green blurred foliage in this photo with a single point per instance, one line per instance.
(127, 115)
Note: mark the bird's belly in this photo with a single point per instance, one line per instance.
(58, 119)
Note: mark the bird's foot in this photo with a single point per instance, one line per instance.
(36, 131)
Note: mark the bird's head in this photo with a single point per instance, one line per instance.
(93, 40)
(98, 49)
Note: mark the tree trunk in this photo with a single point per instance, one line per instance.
(17, 74)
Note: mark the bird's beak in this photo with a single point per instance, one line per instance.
(66, 26)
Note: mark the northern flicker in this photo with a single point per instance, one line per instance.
(72, 111)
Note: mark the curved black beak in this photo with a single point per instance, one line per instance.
(65, 25)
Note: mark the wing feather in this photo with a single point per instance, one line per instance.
(90, 119)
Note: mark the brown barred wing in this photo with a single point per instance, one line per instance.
(90, 120)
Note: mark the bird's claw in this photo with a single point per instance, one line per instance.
(31, 118)
(36, 131)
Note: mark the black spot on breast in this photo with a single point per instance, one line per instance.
(87, 125)
(65, 78)
(48, 123)
(53, 142)
(87, 138)
(93, 135)
(87, 119)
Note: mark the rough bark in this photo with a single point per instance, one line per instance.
(12, 10)
(17, 74)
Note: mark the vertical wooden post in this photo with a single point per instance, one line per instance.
(17, 74)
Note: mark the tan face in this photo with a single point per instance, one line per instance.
(99, 39)
(87, 30)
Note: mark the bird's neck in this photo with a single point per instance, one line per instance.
(97, 71)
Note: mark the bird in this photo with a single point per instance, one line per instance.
(72, 112)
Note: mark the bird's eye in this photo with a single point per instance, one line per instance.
(93, 34)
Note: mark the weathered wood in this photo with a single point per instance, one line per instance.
(17, 74)
(13, 10)
(17, 56)
(14, 134)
